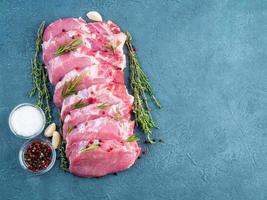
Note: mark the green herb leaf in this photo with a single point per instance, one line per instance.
(69, 129)
(133, 138)
(70, 87)
(79, 104)
(103, 106)
(68, 47)
(88, 148)
(113, 46)
(118, 117)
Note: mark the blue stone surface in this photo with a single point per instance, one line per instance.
(207, 62)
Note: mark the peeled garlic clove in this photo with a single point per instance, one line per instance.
(49, 130)
(95, 16)
(56, 139)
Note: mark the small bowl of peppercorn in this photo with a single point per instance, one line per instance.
(37, 156)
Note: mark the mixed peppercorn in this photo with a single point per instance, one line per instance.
(37, 156)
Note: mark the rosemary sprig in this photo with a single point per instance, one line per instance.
(141, 87)
(89, 147)
(113, 46)
(39, 78)
(118, 117)
(133, 138)
(68, 47)
(103, 106)
(70, 129)
(79, 104)
(70, 87)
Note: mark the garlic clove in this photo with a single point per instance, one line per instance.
(56, 139)
(95, 16)
(49, 130)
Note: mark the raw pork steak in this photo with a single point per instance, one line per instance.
(90, 91)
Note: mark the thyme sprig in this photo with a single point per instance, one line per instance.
(64, 164)
(68, 47)
(141, 87)
(40, 79)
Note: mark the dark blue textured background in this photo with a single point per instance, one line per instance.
(207, 61)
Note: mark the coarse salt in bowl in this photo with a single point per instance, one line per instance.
(27, 120)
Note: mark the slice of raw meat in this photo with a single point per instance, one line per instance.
(50, 47)
(95, 42)
(82, 57)
(111, 156)
(67, 24)
(61, 65)
(104, 128)
(102, 42)
(103, 28)
(109, 94)
(72, 140)
(122, 128)
(90, 112)
(83, 78)
(62, 25)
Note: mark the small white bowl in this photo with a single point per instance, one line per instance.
(30, 136)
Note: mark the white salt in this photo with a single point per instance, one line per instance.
(27, 121)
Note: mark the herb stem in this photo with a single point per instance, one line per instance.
(46, 97)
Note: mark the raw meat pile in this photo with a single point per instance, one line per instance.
(96, 114)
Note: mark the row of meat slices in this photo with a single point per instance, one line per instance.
(90, 91)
